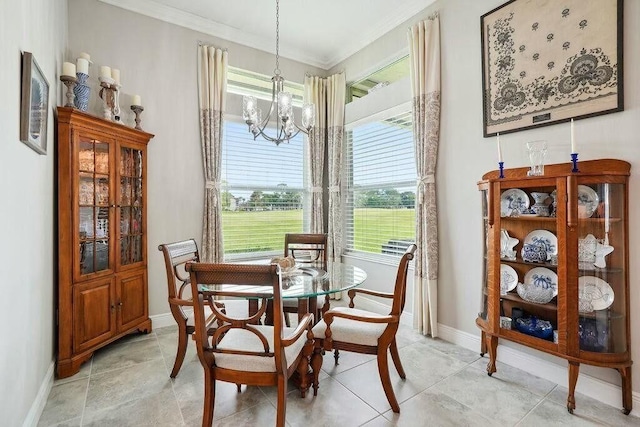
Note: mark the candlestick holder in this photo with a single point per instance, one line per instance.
(69, 82)
(107, 95)
(574, 160)
(501, 166)
(137, 109)
(116, 103)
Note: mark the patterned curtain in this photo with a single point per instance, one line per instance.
(315, 89)
(212, 93)
(424, 52)
(336, 90)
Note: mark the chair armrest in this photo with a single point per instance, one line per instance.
(329, 315)
(370, 292)
(305, 324)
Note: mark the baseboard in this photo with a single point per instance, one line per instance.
(33, 416)
(595, 388)
(162, 320)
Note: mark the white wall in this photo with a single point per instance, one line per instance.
(464, 155)
(27, 269)
(158, 61)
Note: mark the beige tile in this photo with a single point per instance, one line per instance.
(430, 408)
(593, 409)
(263, 414)
(516, 376)
(85, 371)
(334, 405)
(125, 354)
(346, 361)
(123, 385)
(450, 349)
(549, 413)
(75, 422)
(500, 401)
(160, 409)
(423, 367)
(65, 402)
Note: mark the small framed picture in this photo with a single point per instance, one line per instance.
(34, 108)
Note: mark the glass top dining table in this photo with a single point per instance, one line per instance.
(306, 284)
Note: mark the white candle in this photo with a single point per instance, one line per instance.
(85, 55)
(115, 75)
(68, 69)
(573, 141)
(136, 100)
(499, 148)
(105, 71)
(82, 66)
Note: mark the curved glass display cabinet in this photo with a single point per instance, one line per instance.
(556, 266)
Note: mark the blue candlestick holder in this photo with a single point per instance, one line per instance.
(501, 166)
(574, 160)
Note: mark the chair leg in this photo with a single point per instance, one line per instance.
(336, 355)
(281, 409)
(316, 365)
(287, 321)
(395, 356)
(239, 386)
(209, 397)
(383, 370)
(182, 350)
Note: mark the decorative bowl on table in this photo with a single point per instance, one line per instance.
(535, 327)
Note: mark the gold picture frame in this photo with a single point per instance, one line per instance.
(34, 105)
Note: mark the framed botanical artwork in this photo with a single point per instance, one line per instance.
(545, 62)
(34, 108)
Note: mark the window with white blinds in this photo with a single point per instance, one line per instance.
(381, 186)
(262, 192)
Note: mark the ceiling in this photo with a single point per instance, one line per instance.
(316, 32)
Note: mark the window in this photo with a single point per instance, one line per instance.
(381, 184)
(262, 190)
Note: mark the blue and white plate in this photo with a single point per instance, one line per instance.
(587, 201)
(542, 237)
(593, 294)
(508, 279)
(513, 200)
(543, 278)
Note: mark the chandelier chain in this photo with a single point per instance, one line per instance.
(277, 70)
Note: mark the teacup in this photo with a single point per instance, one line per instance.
(533, 252)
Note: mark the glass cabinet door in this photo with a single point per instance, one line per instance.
(602, 287)
(484, 296)
(130, 204)
(93, 205)
(529, 282)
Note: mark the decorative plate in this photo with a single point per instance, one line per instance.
(587, 201)
(543, 278)
(594, 294)
(542, 237)
(512, 200)
(508, 279)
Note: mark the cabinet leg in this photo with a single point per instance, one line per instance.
(574, 370)
(492, 343)
(627, 404)
(483, 344)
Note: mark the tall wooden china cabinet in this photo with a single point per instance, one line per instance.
(556, 266)
(102, 242)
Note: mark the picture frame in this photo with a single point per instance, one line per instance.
(34, 105)
(546, 62)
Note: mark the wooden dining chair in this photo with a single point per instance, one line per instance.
(176, 255)
(308, 250)
(361, 331)
(241, 351)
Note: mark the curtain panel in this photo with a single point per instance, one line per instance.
(315, 89)
(424, 53)
(212, 93)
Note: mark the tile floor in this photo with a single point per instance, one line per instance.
(128, 384)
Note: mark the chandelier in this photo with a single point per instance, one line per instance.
(281, 107)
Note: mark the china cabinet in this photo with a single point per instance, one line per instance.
(102, 242)
(556, 266)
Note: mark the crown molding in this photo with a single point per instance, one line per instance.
(194, 22)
